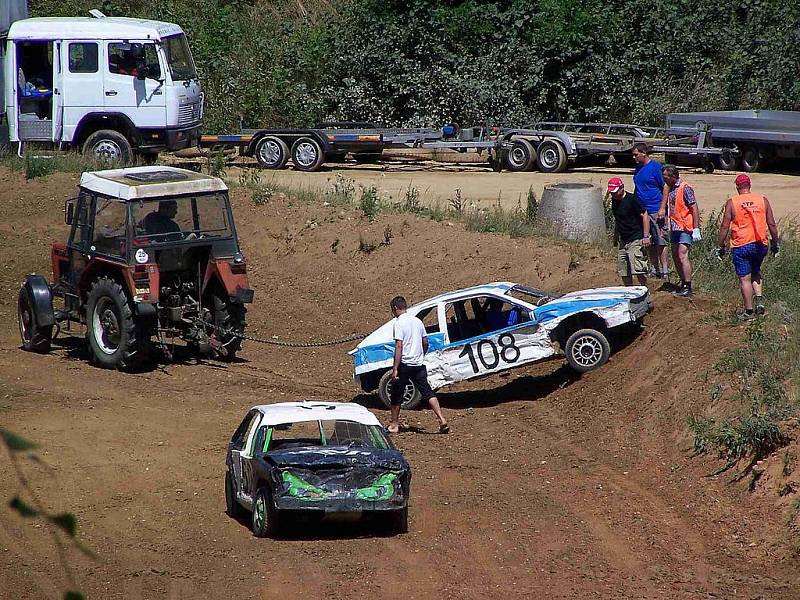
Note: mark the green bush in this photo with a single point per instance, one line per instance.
(369, 204)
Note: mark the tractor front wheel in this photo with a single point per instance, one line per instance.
(110, 325)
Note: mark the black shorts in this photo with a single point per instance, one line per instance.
(408, 374)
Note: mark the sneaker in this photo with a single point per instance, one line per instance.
(684, 292)
(745, 316)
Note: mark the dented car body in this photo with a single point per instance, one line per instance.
(489, 328)
(313, 459)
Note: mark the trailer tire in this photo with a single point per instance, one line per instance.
(271, 153)
(521, 156)
(727, 161)
(307, 154)
(552, 158)
(751, 158)
(108, 147)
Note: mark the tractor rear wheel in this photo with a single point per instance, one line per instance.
(110, 325)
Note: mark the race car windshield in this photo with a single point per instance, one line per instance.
(329, 433)
(181, 219)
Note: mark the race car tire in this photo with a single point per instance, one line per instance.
(398, 520)
(110, 325)
(411, 398)
(587, 350)
(35, 337)
(232, 507)
(265, 522)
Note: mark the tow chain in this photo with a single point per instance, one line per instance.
(250, 338)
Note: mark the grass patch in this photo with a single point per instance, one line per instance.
(35, 164)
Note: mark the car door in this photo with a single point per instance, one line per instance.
(488, 333)
(142, 100)
(241, 449)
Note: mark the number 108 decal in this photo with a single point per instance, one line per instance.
(489, 353)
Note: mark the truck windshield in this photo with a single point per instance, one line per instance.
(179, 58)
(181, 219)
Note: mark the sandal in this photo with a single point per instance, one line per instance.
(445, 428)
(392, 429)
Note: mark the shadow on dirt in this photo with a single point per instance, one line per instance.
(334, 527)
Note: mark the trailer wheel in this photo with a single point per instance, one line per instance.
(108, 147)
(521, 156)
(307, 154)
(726, 161)
(271, 153)
(552, 157)
(750, 159)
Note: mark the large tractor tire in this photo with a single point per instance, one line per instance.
(228, 325)
(110, 325)
(108, 147)
(35, 337)
(411, 396)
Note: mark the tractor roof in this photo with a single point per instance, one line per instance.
(144, 183)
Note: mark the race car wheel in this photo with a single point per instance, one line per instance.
(228, 325)
(586, 350)
(265, 516)
(411, 396)
(35, 338)
(232, 507)
(109, 324)
(271, 153)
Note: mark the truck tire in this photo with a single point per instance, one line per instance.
(35, 338)
(271, 153)
(587, 350)
(726, 161)
(110, 325)
(307, 154)
(411, 398)
(552, 158)
(108, 147)
(751, 159)
(521, 156)
(228, 322)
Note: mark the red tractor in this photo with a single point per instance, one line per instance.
(152, 258)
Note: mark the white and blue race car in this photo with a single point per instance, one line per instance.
(498, 326)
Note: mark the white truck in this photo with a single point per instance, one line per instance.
(112, 87)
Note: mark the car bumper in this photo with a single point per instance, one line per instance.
(345, 505)
(640, 306)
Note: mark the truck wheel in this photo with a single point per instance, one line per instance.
(521, 156)
(411, 396)
(110, 325)
(750, 160)
(265, 521)
(34, 337)
(551, 157)
(307, 154)
(232, 507)
(586, 350)
(271, 153)
(108, 147)
(228, 321)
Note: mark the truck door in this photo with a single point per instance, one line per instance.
(134, 83)
(58, 96)
(81, 88)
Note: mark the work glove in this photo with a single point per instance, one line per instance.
(696, 237)
(720, 253)
(775, 250)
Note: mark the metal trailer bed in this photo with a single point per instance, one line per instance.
(547, 146)
(759, 135)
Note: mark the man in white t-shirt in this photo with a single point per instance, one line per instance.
(410, 346)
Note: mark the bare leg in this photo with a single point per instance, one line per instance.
(652, 252)
(394, 424)
(437, 410)
(641, 279)
(680, 255)
(746, 285)
(663, 259)
(755, 278)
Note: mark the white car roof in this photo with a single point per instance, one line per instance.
(141, 183)
(497, 287)
(89, 28)
(309, 410)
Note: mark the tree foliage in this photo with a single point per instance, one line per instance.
(508, 62)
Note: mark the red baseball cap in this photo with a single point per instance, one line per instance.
(742, 180)
(614, 185)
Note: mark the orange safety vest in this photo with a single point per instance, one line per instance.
(749, 223)
(681, 215)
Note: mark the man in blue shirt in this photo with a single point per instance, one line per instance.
(650, 190)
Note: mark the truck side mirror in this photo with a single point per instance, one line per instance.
(69, 212)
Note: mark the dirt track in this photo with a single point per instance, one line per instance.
(549, 485)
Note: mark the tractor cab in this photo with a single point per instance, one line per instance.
(165, 240)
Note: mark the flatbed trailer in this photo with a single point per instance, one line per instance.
(549, 146)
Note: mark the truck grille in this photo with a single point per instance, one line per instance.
(189, 113)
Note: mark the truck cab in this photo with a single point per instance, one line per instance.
(112, 87)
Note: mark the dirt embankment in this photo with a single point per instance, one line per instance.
(550, 484)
